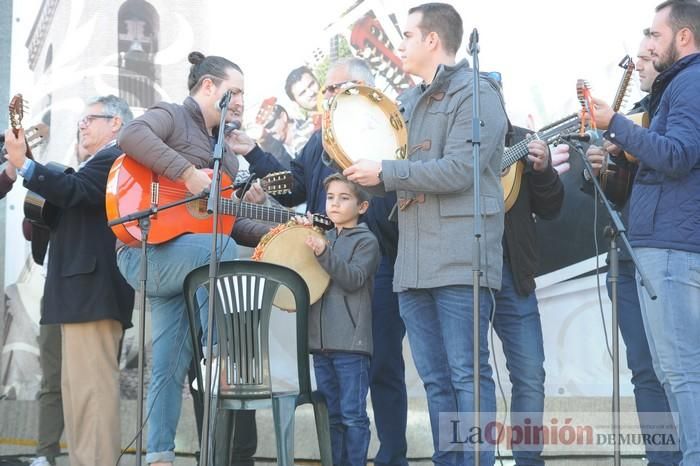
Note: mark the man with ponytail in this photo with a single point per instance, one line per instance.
(177, 141)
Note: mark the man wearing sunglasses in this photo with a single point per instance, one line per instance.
(387, 379)
(84, 291)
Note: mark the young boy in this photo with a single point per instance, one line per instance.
(340, 323)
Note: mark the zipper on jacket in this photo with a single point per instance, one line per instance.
(323, 298)
(320, 321)
(347, 309)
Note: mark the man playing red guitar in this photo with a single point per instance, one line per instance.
(176, 141)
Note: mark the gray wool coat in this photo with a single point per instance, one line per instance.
(342, 319)
(434, 184)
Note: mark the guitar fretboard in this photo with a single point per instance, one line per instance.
(253, 211)
(549, 135)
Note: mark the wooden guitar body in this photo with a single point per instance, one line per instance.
(641, 119)
(511, 180)
(132, 187)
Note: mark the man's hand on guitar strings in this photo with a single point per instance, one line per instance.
(255, 194)
(196, 181)
(538, 154)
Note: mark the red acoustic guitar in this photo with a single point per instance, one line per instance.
(132, 187)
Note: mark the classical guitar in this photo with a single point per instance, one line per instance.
(616, 178)
(132, 187)
(513, 165)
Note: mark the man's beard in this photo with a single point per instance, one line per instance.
(668, 58)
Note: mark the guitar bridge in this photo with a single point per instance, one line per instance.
(155, 194)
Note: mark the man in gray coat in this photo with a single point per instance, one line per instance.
(434, 185)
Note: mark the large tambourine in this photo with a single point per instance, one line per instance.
(363, 123)
(284, 245)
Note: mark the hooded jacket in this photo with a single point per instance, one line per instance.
(342, 319)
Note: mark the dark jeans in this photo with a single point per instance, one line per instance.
(387, 379)
(343, 379)
(516, 321)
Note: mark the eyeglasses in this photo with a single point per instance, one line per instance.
(88, 119)
(333, 88)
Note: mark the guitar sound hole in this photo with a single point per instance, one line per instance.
(198, 208)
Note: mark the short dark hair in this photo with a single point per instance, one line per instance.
(444, 20)
(360, 194)
(683, 14)
(213, 67)
(294, 77)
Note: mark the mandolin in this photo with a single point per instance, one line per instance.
(34, 135)
(513, 165)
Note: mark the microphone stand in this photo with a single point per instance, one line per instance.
(213, 209)
(615, 230)
(144, 219)
(478, 228)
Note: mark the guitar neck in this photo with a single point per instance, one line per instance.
(255, 211)
(628, 65)
(520, 150)
(620, 95)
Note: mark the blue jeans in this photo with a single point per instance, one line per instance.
(649, 395)
(387, 380)
(672, 325)
(343, 378)
(439, 322)
(516, 321)
(168, 265)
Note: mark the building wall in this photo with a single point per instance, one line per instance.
(5, 45)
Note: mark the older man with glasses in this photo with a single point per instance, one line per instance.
(85, 292)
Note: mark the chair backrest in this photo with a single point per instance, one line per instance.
(243, 302)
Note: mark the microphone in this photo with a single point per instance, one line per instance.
(232, 126)
(474, 41)
(225, 99)
(591, 137)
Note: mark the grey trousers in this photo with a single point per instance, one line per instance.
(50, 403)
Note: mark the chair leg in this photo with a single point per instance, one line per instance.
(323, 429)
(283, 408)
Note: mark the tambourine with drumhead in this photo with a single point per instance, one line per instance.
(361, 122)
(284, 245)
